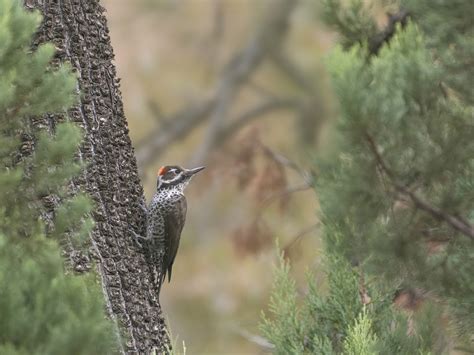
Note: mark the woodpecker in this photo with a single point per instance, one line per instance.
(166, 215)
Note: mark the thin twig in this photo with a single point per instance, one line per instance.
(256, 339)
(256, 112)
(307, 176)
(288, 191)
(300, 235)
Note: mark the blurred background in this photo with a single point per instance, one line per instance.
(239, 86)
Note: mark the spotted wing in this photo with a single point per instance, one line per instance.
(174, 223)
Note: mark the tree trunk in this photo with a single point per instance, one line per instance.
(78, 29)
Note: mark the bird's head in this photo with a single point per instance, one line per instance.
(173, 175)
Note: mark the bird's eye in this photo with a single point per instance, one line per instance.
(171, 174)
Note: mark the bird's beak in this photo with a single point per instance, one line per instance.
(191, 172)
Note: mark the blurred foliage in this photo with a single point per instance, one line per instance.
(43, 310)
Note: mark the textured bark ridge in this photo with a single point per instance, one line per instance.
(78, 29)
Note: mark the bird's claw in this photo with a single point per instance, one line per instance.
(143, 207)
(138, 238)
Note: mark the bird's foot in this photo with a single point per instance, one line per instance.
(143, 207)
(139, 239)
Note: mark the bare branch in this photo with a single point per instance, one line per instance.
(236, 72)
(211, 45)
(307, 176)
(260, 89)
(300, 235)
(177, 128)
(288, 191)
(292, 71)
(218, 21)
(157, 112)
(268, 37)
(252, 114)
(457, 223)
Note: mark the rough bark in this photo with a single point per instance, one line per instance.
(78, 28)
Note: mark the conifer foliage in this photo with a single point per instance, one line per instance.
(397, 188)
(43, 310)
(343, 317)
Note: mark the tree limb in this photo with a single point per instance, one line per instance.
(457, 223)
(292, 71)
(311, 111)
(178, 127)
(300, 235)
(252, 114)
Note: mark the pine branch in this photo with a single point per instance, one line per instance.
(456, 222)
